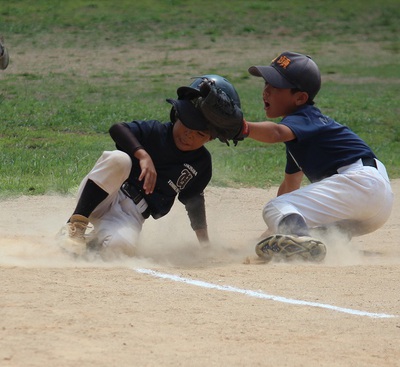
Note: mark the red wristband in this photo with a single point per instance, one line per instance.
(245, 128)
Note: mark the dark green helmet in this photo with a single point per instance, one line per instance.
(193, 90)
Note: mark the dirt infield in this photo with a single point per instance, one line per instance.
(178, 305)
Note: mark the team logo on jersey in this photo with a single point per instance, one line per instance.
(324, 120)
(186, 175)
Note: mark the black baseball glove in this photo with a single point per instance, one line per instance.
(224, 116)
(4, 59)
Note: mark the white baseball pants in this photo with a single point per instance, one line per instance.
(358, 195)
(117, 222)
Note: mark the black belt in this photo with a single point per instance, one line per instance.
(369, 162)
(133, 193)
(366, 161)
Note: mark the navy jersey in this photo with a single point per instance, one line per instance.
(322, 145)
(179, 174)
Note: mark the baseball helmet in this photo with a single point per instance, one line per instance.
(193, 90)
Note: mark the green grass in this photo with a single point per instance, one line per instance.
(79, 66)
(324, 20)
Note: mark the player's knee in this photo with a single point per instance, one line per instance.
(271, 216)
(120, 162)
(113, 167)
(116, 246)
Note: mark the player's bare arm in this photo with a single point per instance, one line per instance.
(290, 183)
(269, 132)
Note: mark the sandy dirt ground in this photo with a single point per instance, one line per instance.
(176, 304)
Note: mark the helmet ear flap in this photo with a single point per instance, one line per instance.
(173, 115)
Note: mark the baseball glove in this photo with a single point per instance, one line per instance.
(224, 116)
(4, 59)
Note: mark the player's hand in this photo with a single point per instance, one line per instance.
(148, 171)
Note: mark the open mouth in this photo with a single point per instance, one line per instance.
(184, 143)
(266, 105)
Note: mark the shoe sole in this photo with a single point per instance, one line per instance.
(290, 248)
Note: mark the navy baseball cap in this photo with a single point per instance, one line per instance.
(291, 70)
(189, 115)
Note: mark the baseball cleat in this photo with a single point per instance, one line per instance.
(71, 237)
(291, 247)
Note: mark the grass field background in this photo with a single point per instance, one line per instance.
(77, 67)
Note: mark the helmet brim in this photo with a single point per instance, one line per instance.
(189, 115)
(188, 93)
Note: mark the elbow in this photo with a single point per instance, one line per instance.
(115, 130)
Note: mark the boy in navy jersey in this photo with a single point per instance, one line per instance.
(349, 188)
(154, 163)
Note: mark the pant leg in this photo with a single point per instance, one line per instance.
(359, 197)
(116, 231)
(110, 171)
(116, 221)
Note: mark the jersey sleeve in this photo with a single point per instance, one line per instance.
(291, 164)
(196, 210)
(193, 196)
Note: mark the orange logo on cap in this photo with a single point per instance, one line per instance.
(283, 61)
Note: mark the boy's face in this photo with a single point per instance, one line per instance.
(186, 139)
(281, 102)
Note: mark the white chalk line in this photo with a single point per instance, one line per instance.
(227, 288)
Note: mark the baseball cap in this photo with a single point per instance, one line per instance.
(189, 115)
(291, 70)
